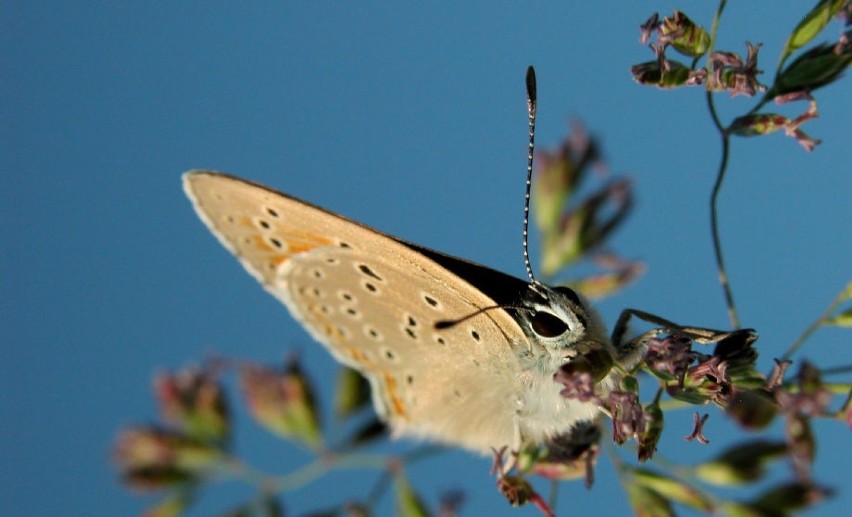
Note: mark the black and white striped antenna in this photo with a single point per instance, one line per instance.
(531, 107)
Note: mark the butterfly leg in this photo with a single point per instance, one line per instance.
(630, 351)
(515, 449)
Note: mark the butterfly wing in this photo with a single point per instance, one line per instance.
(373, 301)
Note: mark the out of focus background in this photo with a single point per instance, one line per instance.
(409, 118)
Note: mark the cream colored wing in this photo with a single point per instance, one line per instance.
(373, 301)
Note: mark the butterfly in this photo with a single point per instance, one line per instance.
(455, 352)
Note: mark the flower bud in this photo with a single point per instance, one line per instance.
(627, 419)
(195, 402)
(283, 402)
(731, 74)
(515, 489)
(681, 33)
(670, 74)
(587, 226)
(752, 409)
(151, 458)
(800, 439)
(518, 492)
(813, 23)
(618, 274)
(650, 436)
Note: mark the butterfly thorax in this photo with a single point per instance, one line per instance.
(560, 329)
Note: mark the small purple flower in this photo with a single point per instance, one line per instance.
(627, 416)
(518, 491)
(810, 399)
(653, 429)
(698, 429)
(731, 74)
(194, 401)
(648, 28)
(671, 355)
(777, 375)
(578, 385)
(497, 463)
(810, 404)
(712, 368)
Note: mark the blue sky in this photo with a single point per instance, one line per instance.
(409, 118)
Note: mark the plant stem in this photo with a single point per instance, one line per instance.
(816, 324)
(836, 370)
(717, 187)
(841, 412)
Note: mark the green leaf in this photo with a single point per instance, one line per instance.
(741, 463)
(812, 24)
(842, 319)
(783, 499)
(647, 502)
(733, 509)
(673, 489)
(408, 503)
(353, 392)
(171, 506)
(846, 294)
(814, 69)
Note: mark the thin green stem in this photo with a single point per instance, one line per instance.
(717, 187)
(847, 368)
(384, 480)
(845, 407)
(727, 290)
(320, 466)
(674, 404)
(816, 324)
(838, 388)
(379, 488)
(715, 27)
(553, 496)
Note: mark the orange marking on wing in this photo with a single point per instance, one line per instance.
(297, 247)
(280, 259)
(358, 355)
(295, 234)
(261, 243)
(390, 385)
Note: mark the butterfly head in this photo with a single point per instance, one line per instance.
(559, 323)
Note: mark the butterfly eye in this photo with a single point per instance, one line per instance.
(547, 325)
